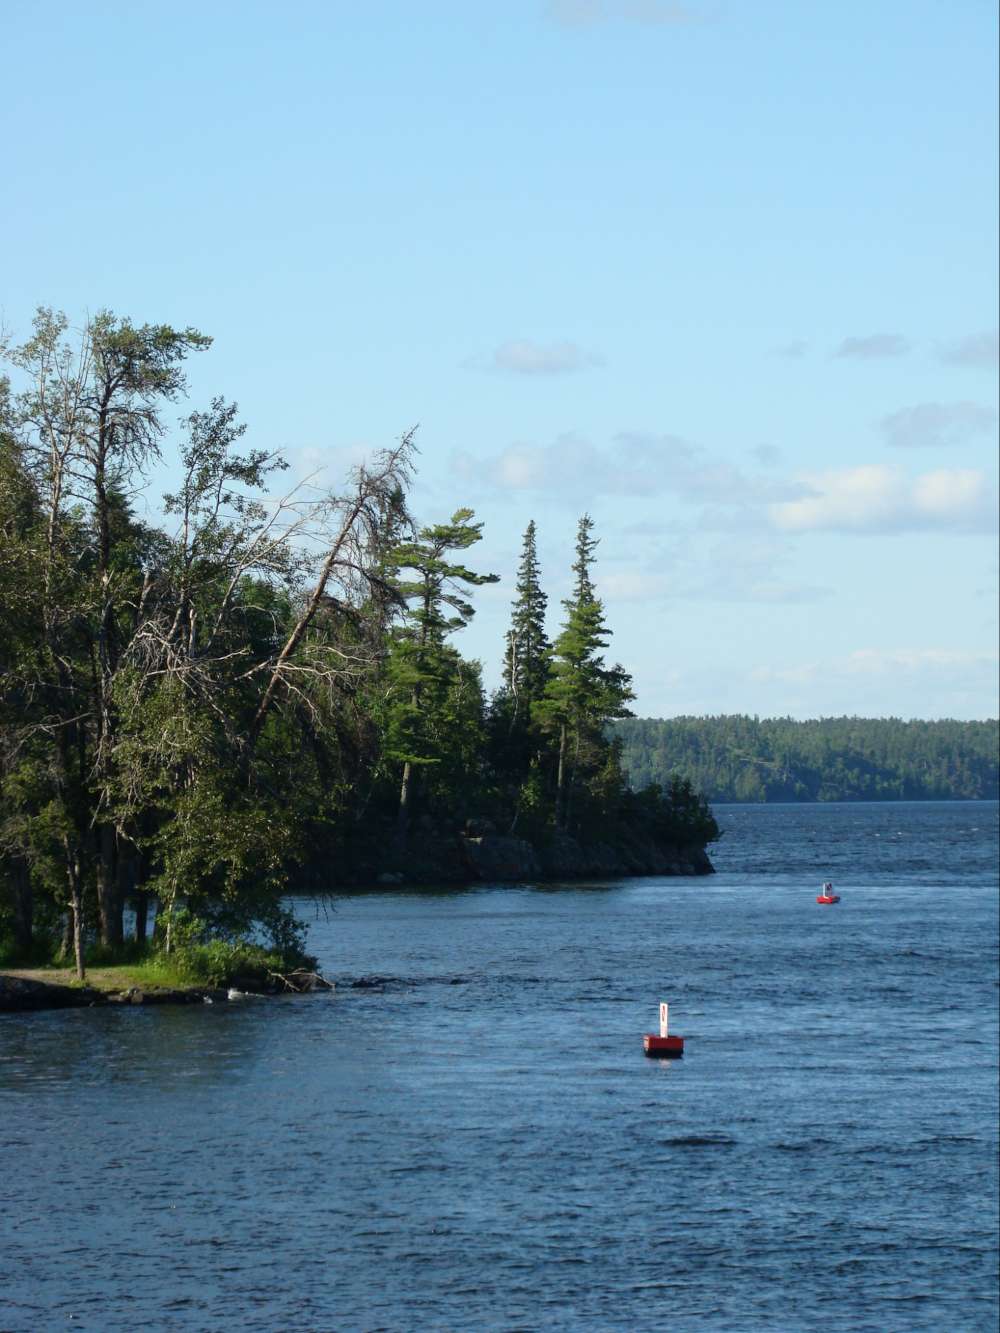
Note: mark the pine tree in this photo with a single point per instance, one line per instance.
(582, 694)
(526, 668)
(422, 666)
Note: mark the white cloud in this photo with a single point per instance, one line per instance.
(878, 662)
(873, 682)
(636, 463)
(903, 682)
(980, 351)
(330, 465)
(738, 569)
(930, 425)
(873, 347)
(793, 350)
(879, 499)
(748, 568)
(634, 586)
(524, 357)
(948, 496)
(569, 464)
(887, 662)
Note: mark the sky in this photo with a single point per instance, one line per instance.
(721, 273)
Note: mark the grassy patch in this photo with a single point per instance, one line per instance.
(198, 958)
(153, 974)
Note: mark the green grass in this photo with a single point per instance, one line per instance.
(195, 961)
(155, 973)
(212, 964)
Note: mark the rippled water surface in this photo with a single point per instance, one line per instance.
(477, 1142)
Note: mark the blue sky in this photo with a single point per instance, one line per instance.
(722, 274)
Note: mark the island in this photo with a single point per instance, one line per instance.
(216, 698)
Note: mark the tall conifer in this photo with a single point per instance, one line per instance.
(582, 694)
(526, 668)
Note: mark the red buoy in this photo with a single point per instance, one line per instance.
(672, 1047)
(827, 895)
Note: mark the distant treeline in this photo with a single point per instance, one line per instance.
(738, 758)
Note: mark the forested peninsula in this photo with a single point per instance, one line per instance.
(233, 691)
(738, 758)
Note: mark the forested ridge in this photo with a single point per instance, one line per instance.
(740, 758)
(254, 693)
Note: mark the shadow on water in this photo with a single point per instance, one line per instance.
(458, 891)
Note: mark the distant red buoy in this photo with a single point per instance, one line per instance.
(828, 895)
(662, 1045)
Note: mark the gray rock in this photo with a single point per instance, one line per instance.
(495, 857)
(19, 994)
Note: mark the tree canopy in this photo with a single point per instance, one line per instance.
(260, 690)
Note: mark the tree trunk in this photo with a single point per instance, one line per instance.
(403, 814)
(76, 906)
(109, 897)
(341, 541)
(561, 778)
(406, 790)
(570, 776)
(24, 906)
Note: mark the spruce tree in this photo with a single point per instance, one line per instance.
(582, 694)
(526, 668)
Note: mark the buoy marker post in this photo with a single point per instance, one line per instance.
(663, 1045)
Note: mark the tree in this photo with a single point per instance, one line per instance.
(198, 713)
(251, 649)
(88, 425)
(515, 740)
(526, 667)
(163, 680)
(19, 525)
(582, 694)
(422, 667)
(352, 572)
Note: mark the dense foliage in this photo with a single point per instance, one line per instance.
(829, 759)
(196, 712)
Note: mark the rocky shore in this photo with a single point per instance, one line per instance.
(20, 993)
(481, 854)
(477, 855)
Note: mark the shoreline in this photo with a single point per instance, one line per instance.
(482, 855)
(33, 989)
(468, 862)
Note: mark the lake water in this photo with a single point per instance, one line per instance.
(479, 1143)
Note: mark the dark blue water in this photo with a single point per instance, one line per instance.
(478, 1142)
